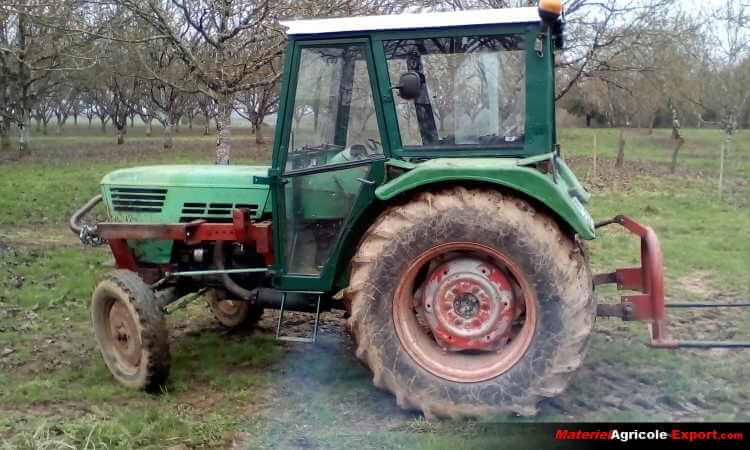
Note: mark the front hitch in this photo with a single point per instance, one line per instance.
(86, 233)
(649, 305)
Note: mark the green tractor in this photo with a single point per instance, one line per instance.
(417, 184)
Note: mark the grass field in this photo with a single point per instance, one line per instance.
(252, 391)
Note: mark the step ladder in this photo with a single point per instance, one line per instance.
(308, 340)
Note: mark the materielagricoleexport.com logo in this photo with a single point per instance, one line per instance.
(651, 435)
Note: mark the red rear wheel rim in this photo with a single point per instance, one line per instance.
(449, 346)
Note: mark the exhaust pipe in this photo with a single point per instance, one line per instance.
(75, 220)
(265, 297)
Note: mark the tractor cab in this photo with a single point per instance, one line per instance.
(366, 99)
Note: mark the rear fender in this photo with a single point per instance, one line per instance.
(560, 193)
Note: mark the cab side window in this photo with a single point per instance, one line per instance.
(334, 120)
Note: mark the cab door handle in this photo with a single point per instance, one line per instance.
(366, 181)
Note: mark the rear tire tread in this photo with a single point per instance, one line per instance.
(395, 224)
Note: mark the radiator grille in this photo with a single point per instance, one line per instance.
(138, 200)
(214, 212)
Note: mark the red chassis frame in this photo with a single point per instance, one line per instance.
(117, 236)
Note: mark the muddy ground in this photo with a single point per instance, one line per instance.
(629, 390)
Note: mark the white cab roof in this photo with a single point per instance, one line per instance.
(413, 21)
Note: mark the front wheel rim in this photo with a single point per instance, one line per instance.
(123, 336)
(430, 346)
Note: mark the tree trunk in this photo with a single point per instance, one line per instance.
(121, 134)
(620, 149)
(224, 130)
(90, 119)
(23, 117)
(729, 127)
(132, 122)
(120, 123)
(4, 136)
(104, 125)
(258, 125)
(675, 153)
(24, 136)
(44, 126)
(75, 119)
(206, 127)
(169, 129)
(677, 137)
(149, 127)
(60, 124)
(722, 156)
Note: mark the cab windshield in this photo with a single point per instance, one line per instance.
(473, 92)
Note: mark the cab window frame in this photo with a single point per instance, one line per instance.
(296, 46)
(539, 135)
(521, 42)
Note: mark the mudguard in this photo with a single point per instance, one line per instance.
(559, 190)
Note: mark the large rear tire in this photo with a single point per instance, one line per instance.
(131, 332)
(470, 302)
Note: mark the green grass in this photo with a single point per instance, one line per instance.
(57, 391)
(699, 234)
(62, 173)
(701, 150)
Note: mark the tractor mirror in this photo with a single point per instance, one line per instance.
(409, 85)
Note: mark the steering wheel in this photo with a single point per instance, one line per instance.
(374, 147)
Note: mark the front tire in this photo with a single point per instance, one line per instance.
(453, 341)
(131, 332)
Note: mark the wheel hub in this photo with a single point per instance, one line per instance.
(229, 307)
(468, 304)
(124, 334)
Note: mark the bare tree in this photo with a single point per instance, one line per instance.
(225, 45)
(207, 108)
(33, 46)
(256, 104)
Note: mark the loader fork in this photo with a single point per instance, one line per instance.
(648, 304)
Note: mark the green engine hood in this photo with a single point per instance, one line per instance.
(194, 176)
(175, 194)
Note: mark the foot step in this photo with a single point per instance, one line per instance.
(309, 340)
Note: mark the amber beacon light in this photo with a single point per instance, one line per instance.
(550, 10)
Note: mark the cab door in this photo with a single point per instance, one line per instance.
(329, 160)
